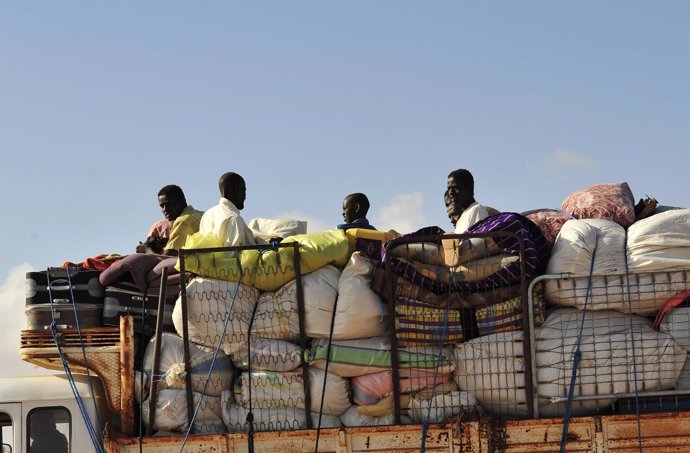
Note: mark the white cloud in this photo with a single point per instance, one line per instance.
(12, 303)
(403, 214)
(561, 161)
(314, 225)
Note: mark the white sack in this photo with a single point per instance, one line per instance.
(661, 241)
(172, 370)
(683, 382)
(277, 314)
(441, 407)
(658, 243)
(271, 419)
(273, 389)
(359, 312)
(493, 368)
(613, 346)
(209, 302)
(266, 229)
(171, 413)
(352, 417)
(268, 355)
(676, 322)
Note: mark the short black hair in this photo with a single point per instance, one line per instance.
(173, 191)
(229, 181)
(464, 178)
(360, 198)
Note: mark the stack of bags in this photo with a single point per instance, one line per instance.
(360, 351)
(607, 317)
(258, 328)
(171, 400)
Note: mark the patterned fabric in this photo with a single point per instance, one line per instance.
(160, 229)
(420, 324)
(536, 254)
(613, 202)
(549, 222)
(505, 316)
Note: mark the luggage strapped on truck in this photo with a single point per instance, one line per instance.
(95, 437)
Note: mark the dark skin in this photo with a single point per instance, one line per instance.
(460, 196)
(171, 207)
(450, 208)
(353, 209)
(350, 210)
(233, 188)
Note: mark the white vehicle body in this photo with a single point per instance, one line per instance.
(22, 397)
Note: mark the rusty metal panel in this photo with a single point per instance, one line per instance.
(531, 436)
(195, 444)
(660, 433)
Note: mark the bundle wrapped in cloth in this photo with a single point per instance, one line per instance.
(268, 269)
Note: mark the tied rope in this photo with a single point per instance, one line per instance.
(250, 413)
(213, 362)
(632, 339)
(83, 349)
(577, 357)
(325, 374)
(95, 440)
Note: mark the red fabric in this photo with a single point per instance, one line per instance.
(96, 263)
(668, 305)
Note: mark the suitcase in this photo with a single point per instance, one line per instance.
(39, 316)
(124, 298)
(65, 284)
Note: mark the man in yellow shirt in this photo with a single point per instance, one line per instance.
(185, 218)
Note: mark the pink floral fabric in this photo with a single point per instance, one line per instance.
(549, 222)
(613, 202)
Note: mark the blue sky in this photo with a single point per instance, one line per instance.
(103, 103)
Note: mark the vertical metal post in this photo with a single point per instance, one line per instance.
(394, 339)
(185, 342)
(126, 375)
(527, 313)
(302, 334)
(155, 368)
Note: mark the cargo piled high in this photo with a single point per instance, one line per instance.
(542, 331)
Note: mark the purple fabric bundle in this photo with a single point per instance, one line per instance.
(536, 254)
(141, 269)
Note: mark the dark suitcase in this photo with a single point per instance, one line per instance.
(40, 316)
(125, 298)
(65, 284)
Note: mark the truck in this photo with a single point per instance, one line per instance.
(471, 365)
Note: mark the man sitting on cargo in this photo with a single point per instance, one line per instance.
(185, 218)
(224, 220)
(355, 208)
(461, 196)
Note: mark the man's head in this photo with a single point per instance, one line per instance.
(450, 208)
(355, 206)
(460, 189)
(172, 201)
(233, 188)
